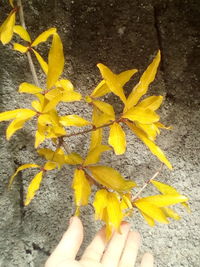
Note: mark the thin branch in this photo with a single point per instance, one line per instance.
(89, 130)
(30, 61)
(147, 182)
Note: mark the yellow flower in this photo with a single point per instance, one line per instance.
(110, 207)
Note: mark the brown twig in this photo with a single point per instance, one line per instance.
(30, 61)
(89, 130)
(146, 183)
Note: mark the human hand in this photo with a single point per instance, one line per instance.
(121, 251)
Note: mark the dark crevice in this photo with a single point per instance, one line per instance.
(159, 36)
(21, 193)
(38, 248)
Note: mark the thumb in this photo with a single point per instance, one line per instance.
(70, 242)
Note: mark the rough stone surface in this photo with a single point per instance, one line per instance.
(123, 35)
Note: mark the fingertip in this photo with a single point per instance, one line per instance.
(147, 260)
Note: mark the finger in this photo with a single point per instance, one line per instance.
(115, 247)
(70, 242)
(130, 252)
(96, 248)
(147, 260)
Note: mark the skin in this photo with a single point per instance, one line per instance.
(121, 251)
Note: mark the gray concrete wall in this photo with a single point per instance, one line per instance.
(122, 35)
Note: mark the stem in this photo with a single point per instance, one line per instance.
(147, 182)
(89, 130)
(30, 61)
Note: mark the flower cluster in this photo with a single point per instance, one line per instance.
(114, 198)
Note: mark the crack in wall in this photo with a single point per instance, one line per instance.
(38, 248)
(159, 35)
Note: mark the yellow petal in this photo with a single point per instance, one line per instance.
(18, 123)
(21, 168)
(18, 29)
(73, 159)
(126, 202)
(100, 203)
(36, 105)
(73, 120)
(141, 88)
(117, 138)
(82, 188)
(71, 96)
(13, 127)
(52, 104)
(41, 61)
(171, 213)
(96, 138)
(141, 115)
(6, 29)
(44, 36)
(152, 102)
(165, 200)
(150, 144)
(99, 118)
(111, 178)
(112, 81)
(65, 84)
(168, 190)
(52, 93)
(150, 130)
(50, 166)
(165, 188)
(114, 212)
(125, 76)
(12, 114)
(101, 90)
(33, 187)
(148, 219)
(151, 210)
(94, 154)
(20, 48)
(55, 61)
(29, 88)
(162, 126)
(11, 3)
(46, 152)
(105, 108)
(39, 138)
